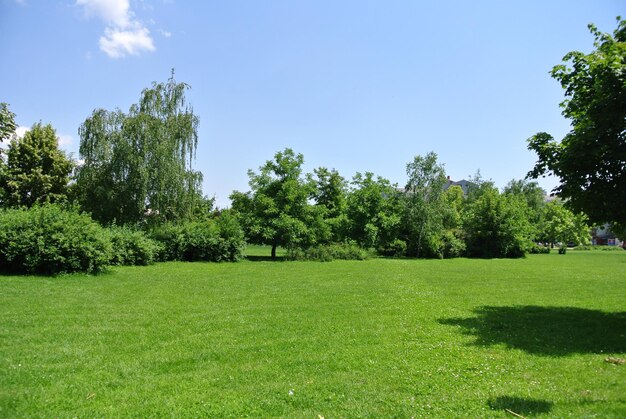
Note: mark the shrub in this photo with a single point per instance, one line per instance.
(539, 249)
(329, 252)
(216, 240)
(132, 247)
(50, 240)
(395, 249)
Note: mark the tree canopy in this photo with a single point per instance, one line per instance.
(37, 171)
(590, 160)
(276, 210)
(138, 165)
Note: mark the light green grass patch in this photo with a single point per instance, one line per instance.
(378, 338)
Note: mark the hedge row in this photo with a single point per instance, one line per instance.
(51, 240)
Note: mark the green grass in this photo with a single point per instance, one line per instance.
(378, 338)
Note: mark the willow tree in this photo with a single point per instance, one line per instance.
(138, 165)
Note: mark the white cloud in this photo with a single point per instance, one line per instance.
(117, 43)
(65, 139)
(166, 34)
(123, 35)
(20, 131)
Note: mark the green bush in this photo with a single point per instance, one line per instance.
(539, 249)
(51, 240)
(329, 252)
(216, 240)
(395, 249)
(132, 247)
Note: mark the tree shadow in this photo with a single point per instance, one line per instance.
(521, 406)
(538, 330)
(265, 258)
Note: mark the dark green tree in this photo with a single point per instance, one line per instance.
(138, 166)
(37, 171)
(276, 210)
(590, 160)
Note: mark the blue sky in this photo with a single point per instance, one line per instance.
(352, 85)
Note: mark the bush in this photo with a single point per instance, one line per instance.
(539, 249)
(50, 240)
(395, 249)
(217, 240)
(132, 247)
(329, 252)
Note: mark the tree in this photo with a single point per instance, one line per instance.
(496, 225)
(276, 210)
(373, 211)
(36, 170)
(7, 122)
(138, 166)
(560, 225)
(7, 129)
(590, 160)
(329, 192)
(423, 206)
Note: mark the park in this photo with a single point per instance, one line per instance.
(125, 291)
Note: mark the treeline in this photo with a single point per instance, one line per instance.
(427, 218)
(135, 198)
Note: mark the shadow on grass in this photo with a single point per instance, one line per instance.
(520, 405)
(546, 330)
(265, 258)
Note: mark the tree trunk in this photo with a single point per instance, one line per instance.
(274, 251)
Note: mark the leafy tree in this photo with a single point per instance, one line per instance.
(329, 192)
(138, 166)
(36, 170)
(7, 122)
(423, 206)
(496, 225)
(560, 225)
(276, 210)
(373, 211)
(590, 160)
(7, 129)
(534, 196)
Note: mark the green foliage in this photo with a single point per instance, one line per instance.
(132, 247)
(560, 225)
(50, 240)
(395, 249)
(218, 240)
(329, 252)
(7, 122)
(590, 160)
(37, 171)
(276, 211)
(537, 249)
(373, 211)
(424, 206)
(137, 166)
(497, 226)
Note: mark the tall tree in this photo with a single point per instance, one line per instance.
(37, 171)
(276, 210)
(423, 216)
(590, 160)
(140, 164)
(329, 192)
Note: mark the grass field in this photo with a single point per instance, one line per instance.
(378, 338)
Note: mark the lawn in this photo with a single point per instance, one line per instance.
(377, 338)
